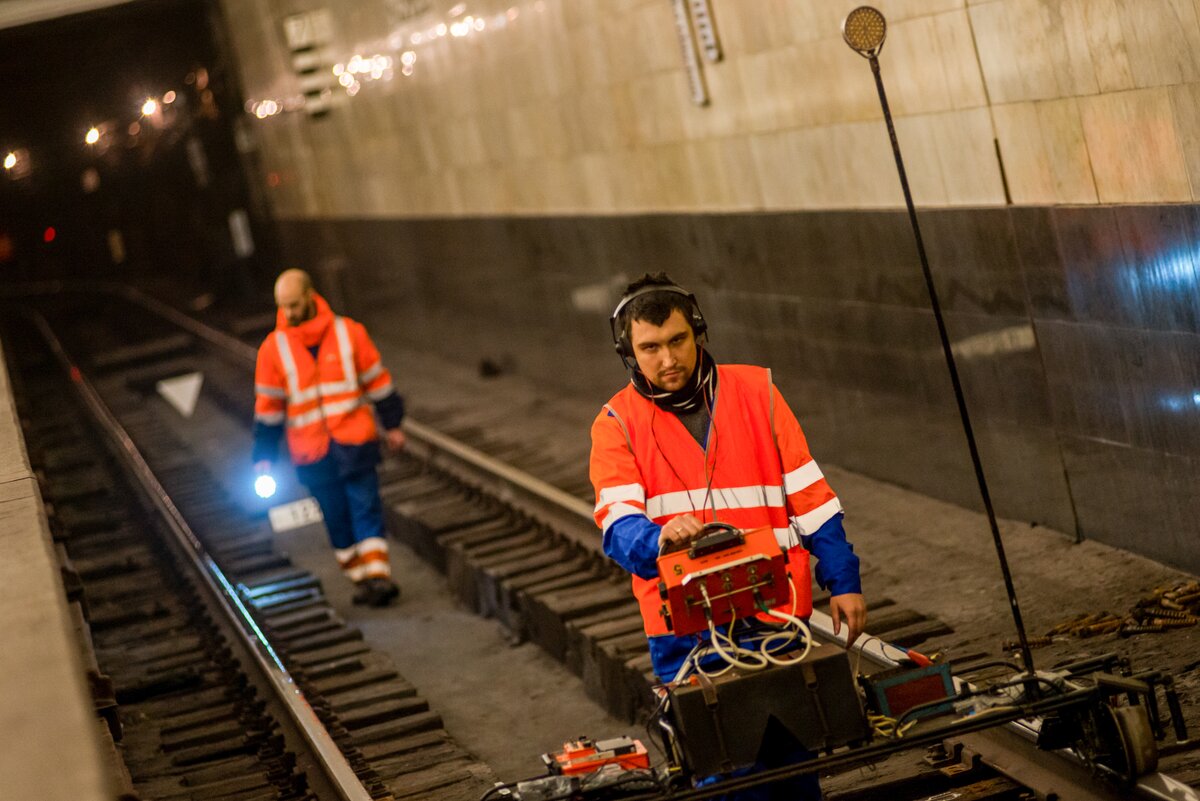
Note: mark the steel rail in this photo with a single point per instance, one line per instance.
(337, 769)
(995, 749)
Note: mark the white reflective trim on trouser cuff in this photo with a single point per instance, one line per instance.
(809, 522)
(356, 573)
(619, 511)
(802, 477)
(270, 392)
(377, 570)
(372, 545)
(786, 537)
(270, 418)
(381, 392)
(344, 555)
(673, 503)
(625, 492)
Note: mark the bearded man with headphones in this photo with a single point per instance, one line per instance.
(689, 442)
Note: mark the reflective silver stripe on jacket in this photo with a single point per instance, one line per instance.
(802, 477)
(324, 410)
(371, 374)
(809, 522)
(624, 492)
(673, 503)
(618, 511)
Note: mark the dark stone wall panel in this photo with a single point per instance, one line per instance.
(1076, 331)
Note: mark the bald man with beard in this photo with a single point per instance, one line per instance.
(316, 378)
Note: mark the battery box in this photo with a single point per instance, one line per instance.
(720, 723)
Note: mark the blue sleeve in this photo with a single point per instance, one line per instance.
(390, 411)
(266, 442)
(632, 542)
(837, 566)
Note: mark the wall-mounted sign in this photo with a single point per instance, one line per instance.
(308, 36)
(687, 46)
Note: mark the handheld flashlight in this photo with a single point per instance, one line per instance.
(264, 486)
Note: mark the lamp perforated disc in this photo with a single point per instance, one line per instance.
(864, 29)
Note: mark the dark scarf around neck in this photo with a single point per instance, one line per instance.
(691, 397)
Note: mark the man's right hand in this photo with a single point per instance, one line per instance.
(262, 468)
(679, 531)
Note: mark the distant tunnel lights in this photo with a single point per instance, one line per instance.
(93, 136)
(10, 161)
(264, 486)
(149, 107)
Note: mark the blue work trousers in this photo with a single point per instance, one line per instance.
(351, 507)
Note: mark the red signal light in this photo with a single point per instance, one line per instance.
(49, 234)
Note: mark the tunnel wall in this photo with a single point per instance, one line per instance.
(1077, 350)
(492, 204)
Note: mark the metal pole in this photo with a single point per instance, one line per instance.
(1026, 654)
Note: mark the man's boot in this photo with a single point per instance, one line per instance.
(363, 591)
(383, 591)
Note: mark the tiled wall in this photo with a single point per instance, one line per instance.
(581, 106)
(1077, 332)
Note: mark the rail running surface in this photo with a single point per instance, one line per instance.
(330, 757)
(1060, 773)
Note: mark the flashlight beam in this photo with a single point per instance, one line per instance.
(959, 397)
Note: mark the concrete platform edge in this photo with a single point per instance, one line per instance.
(52, 750)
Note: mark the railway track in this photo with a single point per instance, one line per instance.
(521, 550)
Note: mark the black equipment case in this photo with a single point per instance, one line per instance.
(720, 723)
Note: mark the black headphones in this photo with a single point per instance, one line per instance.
(620, 339)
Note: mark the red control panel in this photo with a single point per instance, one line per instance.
(724, 575)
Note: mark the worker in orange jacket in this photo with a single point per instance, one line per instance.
(315, 375)
(687, 442)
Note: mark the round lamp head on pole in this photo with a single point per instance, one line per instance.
(864, 29)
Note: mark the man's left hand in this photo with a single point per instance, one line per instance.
(395, 439)
(852, 608)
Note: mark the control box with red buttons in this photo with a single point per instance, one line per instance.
(723, 575)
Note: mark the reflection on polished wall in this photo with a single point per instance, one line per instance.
(582, 106)
(492, 173)
(1077, 332)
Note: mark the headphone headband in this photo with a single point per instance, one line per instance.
(646, 290)
(621, 342)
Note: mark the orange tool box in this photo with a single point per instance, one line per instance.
(586, 755)
(725, 574)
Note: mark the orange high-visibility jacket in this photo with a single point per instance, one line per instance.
(323, 398)
(756, 471)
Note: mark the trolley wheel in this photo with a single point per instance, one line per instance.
(1129, 745)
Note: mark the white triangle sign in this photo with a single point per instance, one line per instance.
(182, 391)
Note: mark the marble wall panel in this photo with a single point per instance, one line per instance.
(1090, 101)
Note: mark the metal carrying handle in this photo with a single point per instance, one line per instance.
(708, 530)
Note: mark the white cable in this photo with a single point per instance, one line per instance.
(734, 661)
(801, 628)
(736, 651)
(799, 625)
